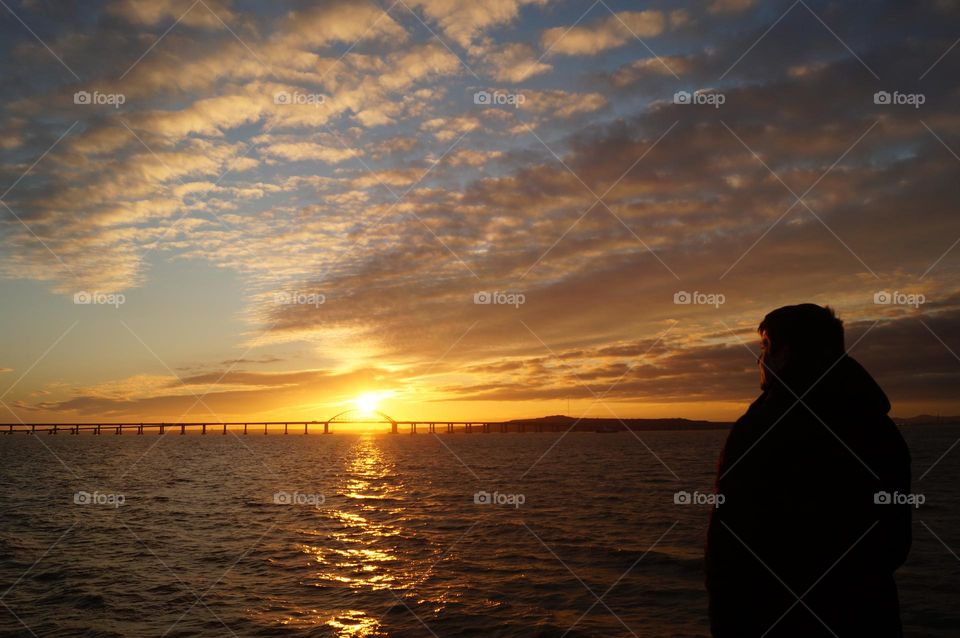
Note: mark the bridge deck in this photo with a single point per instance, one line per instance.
(275, 427)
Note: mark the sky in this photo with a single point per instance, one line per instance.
(228, 210)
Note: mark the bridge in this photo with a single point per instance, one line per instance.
(348, 417)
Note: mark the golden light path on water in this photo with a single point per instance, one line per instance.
(357, 557)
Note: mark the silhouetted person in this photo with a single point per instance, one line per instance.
(800, 481)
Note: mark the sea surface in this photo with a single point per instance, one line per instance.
(381, 535)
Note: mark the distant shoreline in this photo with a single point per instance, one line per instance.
(594, 424)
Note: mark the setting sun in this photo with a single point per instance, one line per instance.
(369, 402)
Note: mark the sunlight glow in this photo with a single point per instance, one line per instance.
(369, 402)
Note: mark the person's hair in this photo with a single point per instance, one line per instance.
(811, 331)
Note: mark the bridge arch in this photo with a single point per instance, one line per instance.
(343, 417)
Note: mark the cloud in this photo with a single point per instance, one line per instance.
(237, 395)
(251, 360)
(211, 116)
(470, 157)
(515, 62)
(562, 104)
(447, 129)
(646, 68)
(300, 151)
(337, 22)
(607, 33)
(464, 20)
(206, 14)
(418, 63)
(730, 6)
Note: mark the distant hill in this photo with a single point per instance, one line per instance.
(614, 425)
(926, 419)
(564, 422)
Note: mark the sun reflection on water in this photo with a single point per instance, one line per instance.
(354, 623)
(359, 523)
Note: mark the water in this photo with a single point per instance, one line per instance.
(398, 547)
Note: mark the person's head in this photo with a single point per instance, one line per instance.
(805, 337)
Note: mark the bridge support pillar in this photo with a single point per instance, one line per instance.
(140, 429)
(304, 428)
(161, 429)
(183, 429)
(97, 430)
(204, 429)
(244, 428)
(326, 428)
(264, 429)
(224, 428)
(285, 428)
(393, 428)
(54, 429)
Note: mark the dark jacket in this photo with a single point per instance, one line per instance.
(799, 483)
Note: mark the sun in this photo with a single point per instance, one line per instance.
(369, 402)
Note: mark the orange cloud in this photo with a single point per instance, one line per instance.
(608, 33)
